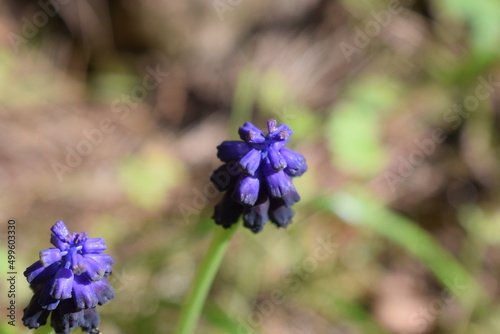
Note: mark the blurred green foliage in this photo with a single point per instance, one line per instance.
(391, 97)
(149, 176)
(354, 128)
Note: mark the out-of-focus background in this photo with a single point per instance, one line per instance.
(110, 112)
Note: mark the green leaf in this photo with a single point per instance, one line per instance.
(217, 317)
(366, 212)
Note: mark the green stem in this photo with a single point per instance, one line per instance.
(203, 280)
(242, 111)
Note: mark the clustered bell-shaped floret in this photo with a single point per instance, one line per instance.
(70, 280)
(257, 177)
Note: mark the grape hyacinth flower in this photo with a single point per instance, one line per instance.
(69, 280)
(257, 177)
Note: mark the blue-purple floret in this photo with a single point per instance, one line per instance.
(257, 177)
(69, 280)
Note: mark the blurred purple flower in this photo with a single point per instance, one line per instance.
(69, 280)
(257, 177)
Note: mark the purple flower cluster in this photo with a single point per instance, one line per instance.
(69, 280)
(257, 177)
